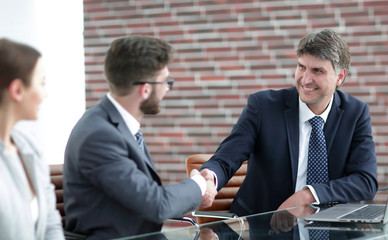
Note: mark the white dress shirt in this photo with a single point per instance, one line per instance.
(131, 122)
(134, 126)
(304, 138)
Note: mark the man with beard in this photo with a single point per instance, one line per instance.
(111, 187)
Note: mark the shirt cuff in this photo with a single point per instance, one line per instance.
(215, 178)
(201, 183)
(312, 190)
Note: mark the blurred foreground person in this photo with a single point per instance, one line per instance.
(27, 198)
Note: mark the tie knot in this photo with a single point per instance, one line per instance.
(139, 139)
(316, 122)
(139, 134)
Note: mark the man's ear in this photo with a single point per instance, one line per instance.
(145, 90)
(16, 90)
(341, 77)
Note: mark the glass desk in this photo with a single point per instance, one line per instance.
(283, 224)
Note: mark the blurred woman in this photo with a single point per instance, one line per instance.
(27, 198)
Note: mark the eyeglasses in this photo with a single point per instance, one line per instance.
(169, 82)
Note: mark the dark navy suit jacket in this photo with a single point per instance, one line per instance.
(111, 187)
(267, 134)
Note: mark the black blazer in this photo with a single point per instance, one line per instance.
(267, 134)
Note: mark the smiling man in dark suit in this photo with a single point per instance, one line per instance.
(111, 187)
(273, 134)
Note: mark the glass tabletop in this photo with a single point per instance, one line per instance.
(282, 224)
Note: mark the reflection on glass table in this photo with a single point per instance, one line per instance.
(283, 224)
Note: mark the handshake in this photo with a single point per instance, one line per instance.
(211, 191)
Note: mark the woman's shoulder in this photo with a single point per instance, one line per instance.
(25, 142)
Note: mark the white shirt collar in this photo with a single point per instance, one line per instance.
(305, 113)
(131, 122)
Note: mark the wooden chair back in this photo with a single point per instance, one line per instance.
(56, 176)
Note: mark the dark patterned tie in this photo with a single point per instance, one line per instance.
(317, 171)
(320, 234)
(317, 155)
(139, 139)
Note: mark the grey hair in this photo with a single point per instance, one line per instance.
(329, 45)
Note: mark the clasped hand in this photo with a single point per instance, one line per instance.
(211, 191)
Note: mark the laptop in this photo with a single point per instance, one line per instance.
(357, 213)
(349, 227)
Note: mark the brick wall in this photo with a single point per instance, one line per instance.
(228, 49)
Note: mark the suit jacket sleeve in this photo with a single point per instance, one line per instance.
(238, 146)
(359, 178)
(112, 165)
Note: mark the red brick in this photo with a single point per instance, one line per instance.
(226, 50)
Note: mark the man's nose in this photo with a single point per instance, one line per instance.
(307, 77)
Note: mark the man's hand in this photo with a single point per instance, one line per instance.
(211, 191)
(300, 198)
(194, 172)
(285, 220)
(207, 174)
(207, 234)
(282, 221)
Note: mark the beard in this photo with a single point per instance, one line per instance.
(151, 105)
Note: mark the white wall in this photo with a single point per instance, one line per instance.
(55, 28)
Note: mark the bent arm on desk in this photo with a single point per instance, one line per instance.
(359, 178)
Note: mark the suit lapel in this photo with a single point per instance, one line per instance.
(118, 121)
(30, 165)
(292, 126)
(332, 122)
(291, 117)
(30, 162)
(147, 153)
